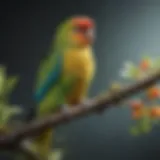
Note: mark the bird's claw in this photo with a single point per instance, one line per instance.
(86, 103)
(66, 109)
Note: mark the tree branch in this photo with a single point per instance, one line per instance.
(100, 102)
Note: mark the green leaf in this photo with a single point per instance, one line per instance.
(146, 58)
(134, 130)
(134, 72)
(7, 112)
(130, 70)
(145, 124)
(156, 63)
(11, 82)
(147, 128)
(124, 71)
(56, 154)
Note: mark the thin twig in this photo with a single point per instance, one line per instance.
(97, 103)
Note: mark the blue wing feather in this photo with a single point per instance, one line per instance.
(50, 81)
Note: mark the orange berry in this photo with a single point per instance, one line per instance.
(153, 93)
(155, 112)
(137, 114)
(145, 64)
(136, 104)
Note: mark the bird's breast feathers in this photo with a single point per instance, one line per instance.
(80, 63)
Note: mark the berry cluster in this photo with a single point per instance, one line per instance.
(145, 107)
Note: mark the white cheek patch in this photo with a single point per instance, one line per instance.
(90, 33)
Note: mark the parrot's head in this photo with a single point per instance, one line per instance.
(82, 31)
(76, 31)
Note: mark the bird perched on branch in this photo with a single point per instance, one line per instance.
(64, 77)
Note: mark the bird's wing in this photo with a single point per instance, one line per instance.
(48, 75)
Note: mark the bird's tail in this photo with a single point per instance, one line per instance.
(43, 143)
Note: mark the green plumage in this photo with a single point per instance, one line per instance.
(59, 44)
(55, 96)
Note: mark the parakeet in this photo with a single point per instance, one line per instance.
(64, 77)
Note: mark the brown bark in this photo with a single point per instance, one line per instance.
(11, 140)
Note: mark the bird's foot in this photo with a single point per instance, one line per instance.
(89, 103)
(86, 104)
(66, 109)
